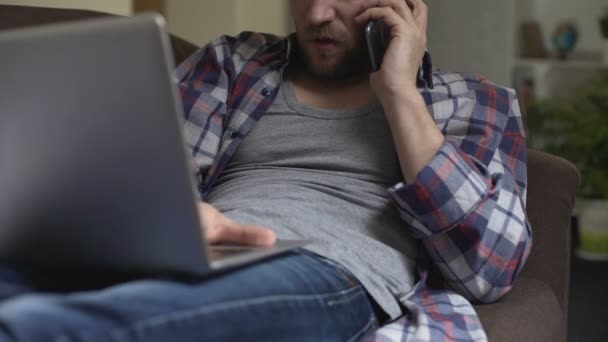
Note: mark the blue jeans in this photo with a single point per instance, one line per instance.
(298, 296)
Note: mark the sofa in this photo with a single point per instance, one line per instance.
(537, 307)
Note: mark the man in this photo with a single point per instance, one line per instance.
(294, 138)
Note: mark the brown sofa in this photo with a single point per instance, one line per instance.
(537, 307)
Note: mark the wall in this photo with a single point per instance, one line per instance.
(472, 36)
(270, 16)
(482, 35)
(200, 21)
(122, 7)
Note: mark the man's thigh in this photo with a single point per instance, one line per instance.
(297, 296)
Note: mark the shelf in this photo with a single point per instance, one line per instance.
(553, 77)
(591, 61)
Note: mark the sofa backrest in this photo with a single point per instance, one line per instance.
(22, 16)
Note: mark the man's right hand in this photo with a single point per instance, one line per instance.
(219, 228)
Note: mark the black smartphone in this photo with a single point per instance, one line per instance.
(377, 37)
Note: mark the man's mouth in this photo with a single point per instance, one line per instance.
(324, 43)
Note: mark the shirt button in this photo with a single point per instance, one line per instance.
(266, 91)
(233, 133)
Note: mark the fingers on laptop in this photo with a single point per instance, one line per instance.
(219, 228)
(245, 234)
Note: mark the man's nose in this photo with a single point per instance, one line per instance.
(321, 11)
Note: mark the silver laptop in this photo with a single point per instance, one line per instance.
(94, 173)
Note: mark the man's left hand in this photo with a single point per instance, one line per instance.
(407, 21)
(417, 137)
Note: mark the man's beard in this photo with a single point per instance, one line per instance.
(352, 62)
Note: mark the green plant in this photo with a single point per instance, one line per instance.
(576, 128)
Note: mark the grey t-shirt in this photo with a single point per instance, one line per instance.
(317, 174)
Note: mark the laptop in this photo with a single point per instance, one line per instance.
(94, 173)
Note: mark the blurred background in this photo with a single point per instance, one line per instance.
(553, 52)
(197, 21)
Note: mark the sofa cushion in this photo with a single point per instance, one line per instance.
(530, 312)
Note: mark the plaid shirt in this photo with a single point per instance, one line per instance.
(466, 207)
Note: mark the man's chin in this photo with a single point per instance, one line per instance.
(327, 68)
(334, 72)
(323, 70)
(333, 68)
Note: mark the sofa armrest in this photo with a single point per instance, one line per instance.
(530, 312)
(552, 184)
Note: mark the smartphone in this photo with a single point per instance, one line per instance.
(377, 37)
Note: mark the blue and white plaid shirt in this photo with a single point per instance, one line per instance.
(466, 207)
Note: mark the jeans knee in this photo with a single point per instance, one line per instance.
(30, 318)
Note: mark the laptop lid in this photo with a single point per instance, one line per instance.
(90, 138)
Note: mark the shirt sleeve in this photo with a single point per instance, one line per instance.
(203, 81)
(468, 204)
